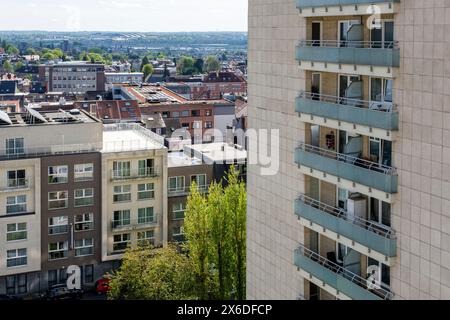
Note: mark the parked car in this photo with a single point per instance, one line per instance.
(61, 292)
(102, 285)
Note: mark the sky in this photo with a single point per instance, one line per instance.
(124, 15)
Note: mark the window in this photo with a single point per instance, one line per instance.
(84, 222)
(178, 234)
(121, 218)
(122, 193)
(16, 204)
(16, 284)
(146, 191)
(146, 215)
(200, 180)
(16, 258)
(186, 125)
(121, 169)
(146, 238)
(16, 179)
(84, 247)
(197, 124)
(185, 113)
(165, 114)
(146, 167)
(58, 225)
(84, 197)
(89, 273)
(208, 113)
(16, 231)
(121, 241)
(52, 277)
(58, 200)
(14, 146)
(196, 113)
(57, 250)
(84, 172)
(384, 275)
(176, 183)
(175, 114)
(178, 210)
(208, 125)
(58, 174)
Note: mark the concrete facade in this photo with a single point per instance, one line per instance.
(420, 152)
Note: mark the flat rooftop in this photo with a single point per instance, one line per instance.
(219, 152)
(127, 137)
(180, 159)
(33, 117)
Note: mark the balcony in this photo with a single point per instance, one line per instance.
(344, 7)
(13, 185)
(134, 224)
(364, 172)
(365, 53)
(372, 235)
(185, 191)
(350, 284)
(374, 114)
(141, 173)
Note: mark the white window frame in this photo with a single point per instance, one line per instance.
(61, 172)
(18, 255)
(178, 187)
(121, 240)
(16, 203)
(181, 207)
(121, 169)
(64, 249)
(16, 150)
(16, 231)
(121, 217)
(151, 239)
(55, 222)
(17, 182)
(59, 198)
(84, 245)
(84, 171)
(150, 190)
(200, 187)
(83, 197)
(146, 212)
(121, 192)
(89, 222)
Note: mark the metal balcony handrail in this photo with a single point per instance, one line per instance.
(381, 292)
(20, 153)
(132, 222)
(340, 213)
(350, 44)
(382, 106)
(134, 173)
(17, 184)
(366, 164)
(187, 189)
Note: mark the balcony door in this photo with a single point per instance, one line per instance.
(380, 151)
(344, 83)
(381, 91)
(316, 33)
(343, 29)
(316, 86)
(382, 36)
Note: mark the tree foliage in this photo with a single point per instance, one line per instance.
(185, 65)
(153, 274)
(7, 66)
(215, 232)
(147, 70)
(212, 64)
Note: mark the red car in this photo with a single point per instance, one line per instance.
(102, 286)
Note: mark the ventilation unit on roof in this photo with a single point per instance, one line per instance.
(74, 111)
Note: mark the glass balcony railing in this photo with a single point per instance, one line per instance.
(367, 233)
(14, 185)
(339, 278)
(139, 173)
(134, 224)
(370, 53)
(367, 173)
(302, 4)
(185, 191)
(382, 115)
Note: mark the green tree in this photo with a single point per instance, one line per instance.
(48, 56)
(18, 65)
(144, 62)
(212, 64)
(12, 50)
(147, 70)
(199, 65)
(197, 231)
(215, 232)
(30, 51)
(7, 66)
(186, 65)
(153, 274)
